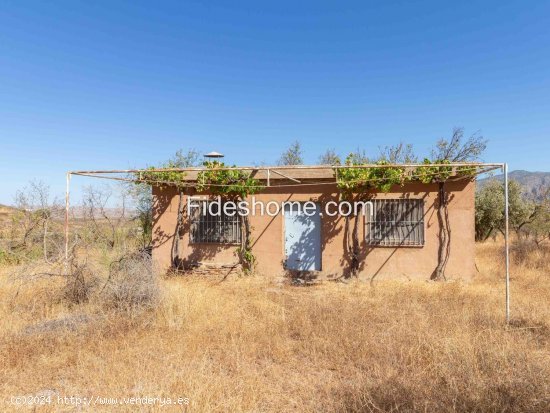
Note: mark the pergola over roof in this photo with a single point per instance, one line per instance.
(287, 175)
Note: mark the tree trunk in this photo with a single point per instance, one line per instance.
(444, 234)
(352, 243)
(355, 245)
(489, 233)
(45, 242)
(176, 259)
(245, 254)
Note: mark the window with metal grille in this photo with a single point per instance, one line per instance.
(395, 222)
(207, 227)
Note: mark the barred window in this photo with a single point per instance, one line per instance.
(216, 228)
(395, 222)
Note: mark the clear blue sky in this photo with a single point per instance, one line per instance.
(91, 85)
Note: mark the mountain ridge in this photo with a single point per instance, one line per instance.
(531, 181)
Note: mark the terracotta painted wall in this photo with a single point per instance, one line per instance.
(376, 262)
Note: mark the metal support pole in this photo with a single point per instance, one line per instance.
(506, 243)
(67, 205)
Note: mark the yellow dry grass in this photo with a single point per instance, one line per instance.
(248, 345)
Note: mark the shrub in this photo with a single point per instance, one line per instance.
(526, 252)
(80, 283)
(132, 284)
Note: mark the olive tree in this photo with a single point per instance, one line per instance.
(526, 217)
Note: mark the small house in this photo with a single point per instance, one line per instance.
(399, 237)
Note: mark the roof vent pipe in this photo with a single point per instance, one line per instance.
(214, 155)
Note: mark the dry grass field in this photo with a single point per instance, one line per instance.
(249, 345)
(6, 213)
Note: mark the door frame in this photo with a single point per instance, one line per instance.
(283, 234)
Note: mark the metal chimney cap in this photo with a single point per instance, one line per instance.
(214, 155)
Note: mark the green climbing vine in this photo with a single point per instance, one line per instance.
(162, 179)
(232, 185)
(354, 184)
(352, 181)
(440, 175)
(357, 183)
